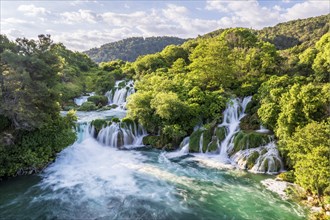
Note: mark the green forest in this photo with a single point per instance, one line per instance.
(130, 48)
(286, 69)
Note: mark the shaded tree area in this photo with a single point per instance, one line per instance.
(31, 129)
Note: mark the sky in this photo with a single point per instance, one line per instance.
(81, 25)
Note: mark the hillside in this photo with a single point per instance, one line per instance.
(289, 34)
(129, 49)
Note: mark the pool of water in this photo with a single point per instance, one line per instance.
(92, 181)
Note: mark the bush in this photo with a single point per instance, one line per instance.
(35, 149)
(98, 100)
(88, 106)
(287, 176)
(99, 124)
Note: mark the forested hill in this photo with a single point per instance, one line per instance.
(129, 49)
(303, 32)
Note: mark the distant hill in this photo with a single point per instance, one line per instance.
(297, 32)
(129, 49)
(292, 33)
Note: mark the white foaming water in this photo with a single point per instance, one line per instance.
(87, 166)
(121, 91)
(80, 100)
(92, 115)
(266, 162)
(121, 135)
(231, 119)
(262, 129)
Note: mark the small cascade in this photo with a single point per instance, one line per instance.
(118, 95)
(231, 119)
(80, 100)
(263, 159)
(119, 135)
(84, 131)
(116, 135)
(255, 151)
(262, 129)
(270, 161)
(201, 143)
(184, 146)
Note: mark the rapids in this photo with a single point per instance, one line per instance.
(93, 179)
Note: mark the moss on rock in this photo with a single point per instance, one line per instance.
(213, 146)
(99, 124)
(250, 122)
(194, 140)
(152, 140)
(251, 160)
(244, 140)
(221, 132)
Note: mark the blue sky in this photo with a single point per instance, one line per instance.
(82, 25)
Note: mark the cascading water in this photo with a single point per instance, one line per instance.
(121, 135)
(118, 95)
(231, 119)
(90, 180)
(265, 157)
(80, 100)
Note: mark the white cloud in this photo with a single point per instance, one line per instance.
(13, 33)
(13, 21)
(81, 40)
(251, 14)
(307, 9)
(245, 13)
(32, 10)
(81, 16)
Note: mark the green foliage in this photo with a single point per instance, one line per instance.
(99, 124)
(309, 151)
(36, 149)
(98, 100)
(302, 31)
(131, 48)
(300, 105)
(88, 106)
(116, 120)
(321, 64)
(152, 140)
(287, 176)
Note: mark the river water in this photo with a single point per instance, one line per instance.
(89, 180)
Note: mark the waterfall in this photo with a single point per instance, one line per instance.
(268, 159)
(118, 95)
(184, 146)
(231, 119)
(201, 143)
(257, 152)
(116, 135)
(80, 100)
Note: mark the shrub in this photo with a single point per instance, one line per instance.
(87, 106)
(98, 100)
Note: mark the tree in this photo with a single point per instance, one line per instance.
(321, 64)
(309, 150)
